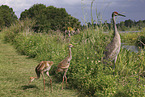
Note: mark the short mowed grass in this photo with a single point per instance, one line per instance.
(15, 70)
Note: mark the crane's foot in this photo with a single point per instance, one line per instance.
(51, 85)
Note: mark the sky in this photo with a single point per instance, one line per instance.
(81, 9)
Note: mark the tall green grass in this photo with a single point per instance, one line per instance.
(132, 37)
(86, 69)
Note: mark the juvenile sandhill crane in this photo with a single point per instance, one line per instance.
(43, 66)
(64, 64)
(113, 48)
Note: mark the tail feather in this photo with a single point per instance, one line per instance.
(37, 72)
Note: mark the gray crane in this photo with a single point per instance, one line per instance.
(113, 48)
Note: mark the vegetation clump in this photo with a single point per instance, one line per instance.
(50, 18)
(7, 16)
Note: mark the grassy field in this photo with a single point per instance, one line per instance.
(15, 70)
(86, 72)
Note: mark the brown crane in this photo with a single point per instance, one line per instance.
(113, 48)
(43, 66)
(64, 64)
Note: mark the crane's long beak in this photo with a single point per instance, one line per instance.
(121, 15)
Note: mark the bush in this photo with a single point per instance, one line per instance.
(50, 18)
(140, 41)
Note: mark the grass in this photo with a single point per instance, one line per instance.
(15, 71)
(132, 37)
(86, 72)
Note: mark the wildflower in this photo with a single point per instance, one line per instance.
(95, 53)
(92, 61)
(99, 61)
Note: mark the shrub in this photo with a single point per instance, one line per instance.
(140, 41)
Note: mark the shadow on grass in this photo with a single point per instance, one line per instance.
(25, 87)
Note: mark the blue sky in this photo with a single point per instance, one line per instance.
(133, 9)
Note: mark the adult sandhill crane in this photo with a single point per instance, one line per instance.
(113, 48)
(43, 66)
(64, 64)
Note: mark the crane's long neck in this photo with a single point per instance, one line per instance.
(70, 52)
(116, 33)
(114, 26)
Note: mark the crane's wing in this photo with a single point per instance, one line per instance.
(110, 51)
(64, 63)
(41, 66)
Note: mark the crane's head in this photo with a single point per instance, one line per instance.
(70, 45)
(117, 14)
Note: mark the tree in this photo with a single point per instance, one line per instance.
(140, 24)
(129, 23)
(121, 26)
(7, 16)
(50, 18)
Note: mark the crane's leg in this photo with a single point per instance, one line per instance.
(50, 80)
(32, 78)
(62, 82)
(43, 79)
(65, 77)
(114, 64)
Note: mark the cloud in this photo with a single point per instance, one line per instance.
(17, 5)
(71, 2)
(20, 5)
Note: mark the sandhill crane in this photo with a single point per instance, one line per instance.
(43, 66)
(64, 64)
(113, 48)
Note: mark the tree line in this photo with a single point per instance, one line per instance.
(129, 24)
(122, 26)
(45, 18)
(52, 18)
